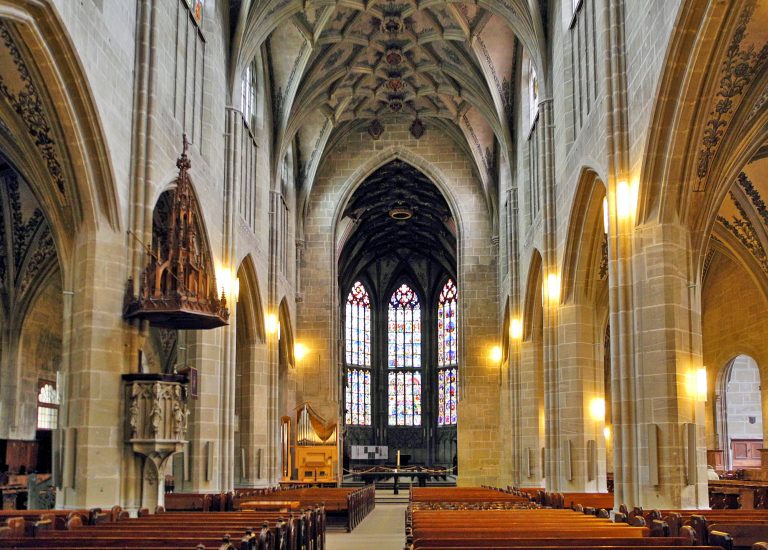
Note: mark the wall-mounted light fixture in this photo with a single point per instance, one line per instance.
(701, 384)
(496, 354)
(272, 324)
(299, 351)
(553, 288)
(626, 199)
(597, 409)
(516, 329)
(607, 433)
(228, 283)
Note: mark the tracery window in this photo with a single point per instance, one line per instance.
(47, 406)
(249, 94)
(533, 94)
(196, 7)
(404, 352)
(447, 355)
(358, 356)
(575, 5)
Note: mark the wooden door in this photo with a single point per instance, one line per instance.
(746, 453)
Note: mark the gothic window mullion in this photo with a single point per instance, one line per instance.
(357, 351)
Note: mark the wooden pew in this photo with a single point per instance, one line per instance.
(526, 528)
(353, 504)
(304, 531)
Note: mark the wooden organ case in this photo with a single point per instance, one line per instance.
(317, 451)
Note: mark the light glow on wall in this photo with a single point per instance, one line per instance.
(299, 351)
(597, 409)
(626, 200)
(516, 329)
(496, 354)
(272, 324)
(701, 384)
(553, 288)
(228, 283)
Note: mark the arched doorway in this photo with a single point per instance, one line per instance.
(400, 322)
(740, 414)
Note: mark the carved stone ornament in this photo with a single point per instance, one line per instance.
(396, 84)
(417, 128)
(395, 104)
(156, 413)
(392, 23)
(375, 129)
(178, 286)
(394, 57)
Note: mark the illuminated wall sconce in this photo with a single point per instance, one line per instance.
(272, 324)
(299, 351)
(228, 283)
(607, 433)
(626, 199)
(597, 409)
(516, 329)
(606, 216)
(496, 354)
(701, 384)
(553, 288)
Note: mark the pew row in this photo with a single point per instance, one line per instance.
(232, 530)
(451, 526)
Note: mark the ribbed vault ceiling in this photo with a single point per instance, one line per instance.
(335, 65)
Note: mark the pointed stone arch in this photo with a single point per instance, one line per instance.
(287, 343)
(249, 304)
(533, 288)
(694, 149)
(252, 386)
(585, 238)
(72, 174)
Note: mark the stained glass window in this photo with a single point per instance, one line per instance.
(358, 326)
(404, 352)
(447, 354)
(249, 94)
(404, 398)
(196, 7)
(358, 354)
(446, 396)
(359, 397)
(533, 94)
(47, 406)
(446, 326)
(404, 329)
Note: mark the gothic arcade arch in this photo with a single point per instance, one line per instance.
(739, 416)
(71, 156)
(251, 368)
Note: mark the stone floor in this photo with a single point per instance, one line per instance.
(382, 529)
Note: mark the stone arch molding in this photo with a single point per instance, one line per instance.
(250, 300)
(78, 164)
(585, 222)
(436, 176)
(390, 154)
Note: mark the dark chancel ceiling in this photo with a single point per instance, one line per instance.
(374, 234)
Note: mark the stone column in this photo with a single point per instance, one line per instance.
(92, 450)
(580, 382)
(656, 350)
(530, 389)
(205, 439)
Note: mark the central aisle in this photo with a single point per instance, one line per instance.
(383, 529)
